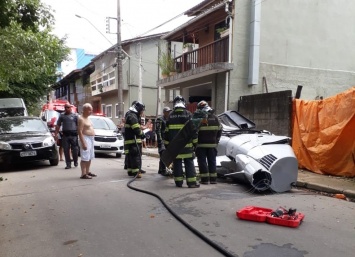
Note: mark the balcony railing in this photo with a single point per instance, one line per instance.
(211, 53)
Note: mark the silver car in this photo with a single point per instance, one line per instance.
(107, 137)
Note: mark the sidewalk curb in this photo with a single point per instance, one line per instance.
(350, 194)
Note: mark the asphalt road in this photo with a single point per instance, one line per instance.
(49, 211)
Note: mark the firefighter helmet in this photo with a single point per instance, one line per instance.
(139, 106)
(203, 105)
(179, 101)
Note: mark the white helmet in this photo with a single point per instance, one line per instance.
(179, 102)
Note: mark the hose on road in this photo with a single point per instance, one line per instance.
(192, 229)
(187, 225)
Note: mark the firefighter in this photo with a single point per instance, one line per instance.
(209, 135)
(133, 139)
(125, 157)
(175, 122)
(160, 126)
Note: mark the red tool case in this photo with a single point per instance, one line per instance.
(261, 214)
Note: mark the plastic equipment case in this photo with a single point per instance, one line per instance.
(279, 217)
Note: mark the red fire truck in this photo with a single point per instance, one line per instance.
(50, 112)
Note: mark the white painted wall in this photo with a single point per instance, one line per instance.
(303, 42)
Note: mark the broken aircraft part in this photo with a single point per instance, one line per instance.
(264, 160)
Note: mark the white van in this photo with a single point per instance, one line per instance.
(12, 107)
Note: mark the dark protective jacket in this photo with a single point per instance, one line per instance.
(160, 126)
(133, 132)
(177, 118)
(210, 132)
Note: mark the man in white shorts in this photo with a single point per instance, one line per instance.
(86, 134)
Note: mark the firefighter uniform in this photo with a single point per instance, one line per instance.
(209, 135)
(174, 124)
(133, 139)
(160, 127)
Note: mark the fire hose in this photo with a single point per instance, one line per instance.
(187, 225)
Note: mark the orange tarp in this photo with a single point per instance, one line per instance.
(323, 136)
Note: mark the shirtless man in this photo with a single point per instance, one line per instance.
(86, 135)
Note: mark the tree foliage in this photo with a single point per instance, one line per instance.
(29, 52)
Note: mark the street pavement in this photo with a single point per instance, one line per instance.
(48, 211)
(340, 187)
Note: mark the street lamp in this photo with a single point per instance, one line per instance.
(81, 17)
(119, 79)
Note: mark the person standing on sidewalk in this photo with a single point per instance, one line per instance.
(176, 121)
(160, 126)
(209, 135)
(69, 123)
(86, 135)
(133, 139)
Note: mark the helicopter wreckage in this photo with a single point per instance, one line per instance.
(258, 157)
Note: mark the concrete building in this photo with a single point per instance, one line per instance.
(72, 82)
(140, 73)
(75, 87)
(270, 46)
(77, 59)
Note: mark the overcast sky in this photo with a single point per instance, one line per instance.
(138, 16)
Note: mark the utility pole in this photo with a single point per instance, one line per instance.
(119, 79)
(140, 74)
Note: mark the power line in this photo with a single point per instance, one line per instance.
(177, 16)
(81, 17)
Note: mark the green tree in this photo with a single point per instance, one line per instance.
(29, 52)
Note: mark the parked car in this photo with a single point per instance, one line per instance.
(26, 139)
(12, 107)
(107, 137)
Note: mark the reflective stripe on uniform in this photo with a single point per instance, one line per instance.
(213, 175)
(176, 126)
(191, 179)
(184, 156)
(209, 128)
(127, 142)
(207, 145)
(132, 141)
(178, 179)
(204, 175)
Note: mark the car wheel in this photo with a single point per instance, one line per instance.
(54, 162)
(118, 155)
